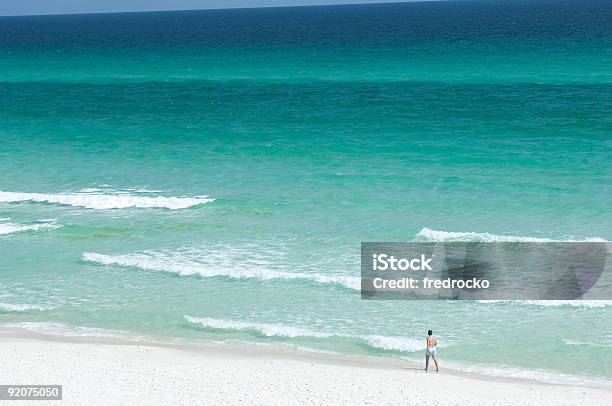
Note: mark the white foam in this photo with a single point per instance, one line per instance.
(101, 201)
(175, 263)
(394, 343)
(145, 190)
(556, 303)
(389, 343)
(58, 329)
(531, 374)
(17, 308)
(90, 190)
(436, 235)
(9, 228)
(595, 343)
(269, 330)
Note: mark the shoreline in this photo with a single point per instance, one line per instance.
(35, 358)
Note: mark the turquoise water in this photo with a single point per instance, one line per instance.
(210, 175)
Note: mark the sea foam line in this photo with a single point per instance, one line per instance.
(389, 343)
(9, 228)
(58, 329)
(555, 303)
(540, 375)
(268, 330)
(437, 235)
(604, 344)
(164, 263)
(101, 201)
(24, 307)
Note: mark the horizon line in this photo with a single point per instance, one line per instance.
(234, 8)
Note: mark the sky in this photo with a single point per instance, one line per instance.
(28, 7)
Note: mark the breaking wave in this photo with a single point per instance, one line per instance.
(184, 266)
(58, 329)
(9, 228)
(18, 308)
(395, 343)
(400, 344)
(436, 235)
(268, 330)
(96, 200)
(555, 303)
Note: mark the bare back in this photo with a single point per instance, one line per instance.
(431, 342)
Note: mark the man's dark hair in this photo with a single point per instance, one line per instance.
(429, 332)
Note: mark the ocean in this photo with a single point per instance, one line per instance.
(208, 176)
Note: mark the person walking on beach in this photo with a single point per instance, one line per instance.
(431, 350)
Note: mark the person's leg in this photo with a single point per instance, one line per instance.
(426, 362)
(436, 362)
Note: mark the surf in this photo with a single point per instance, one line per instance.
(23, 307)
(428, 234)
(10, 228)
(386, 343)
(184, 266)
(105, 201)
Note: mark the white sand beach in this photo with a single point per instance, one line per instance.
(100, 371)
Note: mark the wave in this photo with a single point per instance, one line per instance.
(95, 190)
(555, 303)
(18, 308)
(58, 329)
(388, 343)
(539, 375)
(102, 201)
(436, 235)
(9, 228)
(597, 344)
(185, 267)
(268, 330)
(395, 343)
